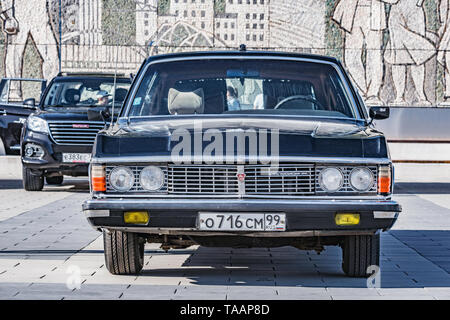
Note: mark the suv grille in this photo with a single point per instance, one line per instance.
(81, 133)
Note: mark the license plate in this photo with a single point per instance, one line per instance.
(77, 157)
(208, 221)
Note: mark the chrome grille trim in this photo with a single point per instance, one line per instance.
(65, 134)
(282, 181)
(295, 179)
(202, 179)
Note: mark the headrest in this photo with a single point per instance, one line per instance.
(72, 96)
(185, 102)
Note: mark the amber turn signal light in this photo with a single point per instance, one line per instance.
(98, 179)
(384, 179)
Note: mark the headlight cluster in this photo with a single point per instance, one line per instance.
(332, 179)
(37, 124)
(122, 178)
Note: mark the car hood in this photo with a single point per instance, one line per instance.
(55, 116)
(293, 137)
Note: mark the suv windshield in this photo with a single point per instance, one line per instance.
(80, 95)
(242, 86)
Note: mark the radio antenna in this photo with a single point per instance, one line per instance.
(114, 86)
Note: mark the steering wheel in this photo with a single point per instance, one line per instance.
(317, 104)
(89, 101)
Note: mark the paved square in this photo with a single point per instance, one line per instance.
(48, 251)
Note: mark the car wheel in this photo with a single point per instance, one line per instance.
(32, 182)
(54, 180)
(124, 252)
(359, 253)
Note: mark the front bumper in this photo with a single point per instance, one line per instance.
(52, 159)
(180, 215)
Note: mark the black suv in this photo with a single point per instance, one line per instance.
(57, 139)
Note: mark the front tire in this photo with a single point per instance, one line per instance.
(31, 182)
(58, 180)
(359, 253)
(124, 252)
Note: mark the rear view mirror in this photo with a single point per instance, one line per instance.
(29, 103)
(379, 113)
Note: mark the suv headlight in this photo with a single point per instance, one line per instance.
(331, 179)
(37, 124)
(121, 179)
(152, 178)
(361, 179)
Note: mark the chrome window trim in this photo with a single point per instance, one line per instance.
(348, 90)
(233, 160)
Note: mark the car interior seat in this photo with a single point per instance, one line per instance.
(191, 102)
(72, 96)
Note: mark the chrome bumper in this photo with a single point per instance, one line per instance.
(242, 205)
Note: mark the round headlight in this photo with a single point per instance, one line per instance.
(152, 178)
(361, 179)
(121, 179)
(331, 179)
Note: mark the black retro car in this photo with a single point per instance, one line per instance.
(14, 110)
(57, 139)
(242, 149)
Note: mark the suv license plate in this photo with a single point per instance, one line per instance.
(77, 157)
(208, 221)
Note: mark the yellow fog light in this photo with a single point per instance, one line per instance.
(347, 219)
(135, 217)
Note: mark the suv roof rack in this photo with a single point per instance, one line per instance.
(100, 74)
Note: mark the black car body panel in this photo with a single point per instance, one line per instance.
(317, 138)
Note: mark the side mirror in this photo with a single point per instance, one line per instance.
(29, 103)
(379, 113)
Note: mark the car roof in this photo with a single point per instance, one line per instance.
(231, 53)
(93, 77)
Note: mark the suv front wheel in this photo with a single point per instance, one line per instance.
(124, 252)
(32, 182)
(359, 253)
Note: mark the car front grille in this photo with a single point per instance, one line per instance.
(202, 179)
(279, 180)
(257, 180)
(75, 133)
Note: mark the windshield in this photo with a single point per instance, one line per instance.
(82, 95)
(242, 86)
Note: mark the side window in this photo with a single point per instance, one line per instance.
(145, 101)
